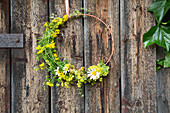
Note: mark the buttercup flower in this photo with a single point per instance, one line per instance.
(38, 47)
(65, 18)
(49, 84)
(40, 51)
(46, 24)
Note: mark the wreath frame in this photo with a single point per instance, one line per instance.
(65, 73)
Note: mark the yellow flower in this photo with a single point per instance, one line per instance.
(42, 48)
(49, 84)
(54, 35)
(100, 79)
(38, 47)
(55, 54)
(50, 45)
(65, 18)
(40, 51)
(81, 80)
(46, 29)
(47, 46)
(51, 26)
(79, 77)
(57, 31)
(67, 65)
(62, 84)
(41, 65)
(78, 84)
(82, 68)
(60, 21)
(66, 85)
(46, 24)
(54, 20)
(56, 58)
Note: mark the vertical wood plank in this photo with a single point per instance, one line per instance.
(138, 67)
(28, 95)
(70, 46)
(162, 85)
(104, 96)
(4, 60)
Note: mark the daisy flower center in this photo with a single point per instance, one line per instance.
(58, 71)
(93, 72)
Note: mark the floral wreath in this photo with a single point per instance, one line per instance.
(63, 72)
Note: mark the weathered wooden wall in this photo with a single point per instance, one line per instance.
(132, 86)
(138, 67)
(4, 60)
(104, 96)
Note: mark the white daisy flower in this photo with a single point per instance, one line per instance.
(93, 74)
(57, 71)
(65, 70)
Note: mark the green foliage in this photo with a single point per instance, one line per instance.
(63, 73)
(159, 9)
(167, 60)
(159, 34)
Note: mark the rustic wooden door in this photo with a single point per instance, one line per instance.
(133, 85)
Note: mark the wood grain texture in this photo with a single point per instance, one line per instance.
(4, 60)
(70, 46)
(28, 95)
(11, 40)
(104, 96)
(138, 66)
(162, 85)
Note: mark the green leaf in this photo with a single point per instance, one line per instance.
(158, 68)
(159, 35)
(167, 60)
(159, 9)
(160, 62)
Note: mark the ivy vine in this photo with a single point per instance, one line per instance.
(160, 33)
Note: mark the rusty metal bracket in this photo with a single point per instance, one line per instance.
(11, 41)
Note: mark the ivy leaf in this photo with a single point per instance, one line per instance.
(167, 60)
(158, 34)
(159, 9)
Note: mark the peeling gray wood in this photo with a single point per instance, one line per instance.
(162, 85)
(138, 65)
(11, 40)
(104, 96)
(28, 94)
(70, 46)
(4, 60)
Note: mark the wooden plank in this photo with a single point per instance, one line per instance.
(162, 85)
(103, 97)
(70, 46)
(28, 94)
(138, 67)
(4, 60)
(11, 40)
